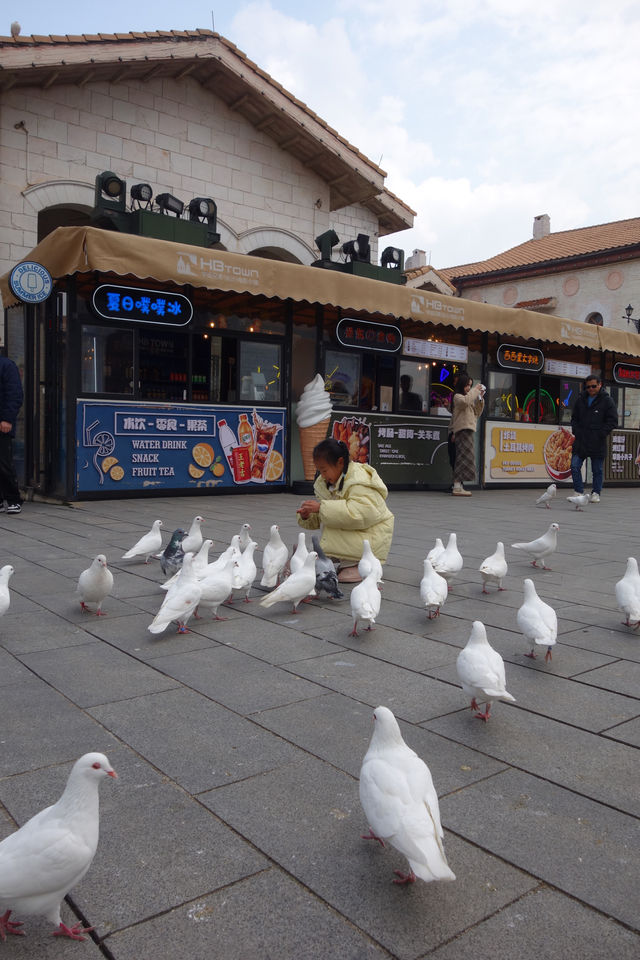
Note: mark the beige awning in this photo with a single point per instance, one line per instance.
(70, 250)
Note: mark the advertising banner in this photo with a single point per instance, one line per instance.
(623, 456)
(143, 446)
(404, 450)
(529, 452)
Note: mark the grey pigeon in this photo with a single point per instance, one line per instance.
(173, 555)
(326, 573)
(43, 860)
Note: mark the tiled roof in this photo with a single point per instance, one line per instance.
(105, 37)
(542, 303)
(563, 245)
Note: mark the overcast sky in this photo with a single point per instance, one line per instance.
(484, 113)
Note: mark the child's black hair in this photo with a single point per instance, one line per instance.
(332, 450)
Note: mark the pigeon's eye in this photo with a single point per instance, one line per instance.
(96, 766)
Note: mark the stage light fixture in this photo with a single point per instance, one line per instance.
(393, 258)
(326, 242)
(202, 209)
(110, 192)
(167, 203)
(359, 249)
(141, 196)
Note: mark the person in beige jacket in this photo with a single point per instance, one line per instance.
(350, 508)
(468, 404)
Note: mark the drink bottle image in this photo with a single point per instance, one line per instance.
(228, 440)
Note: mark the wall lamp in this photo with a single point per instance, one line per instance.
(141, 196)
(167, 203)
(635, 321)
(393, 258)
(358, 249)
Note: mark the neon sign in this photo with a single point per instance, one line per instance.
(141, 306)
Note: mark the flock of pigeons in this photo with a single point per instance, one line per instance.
(43, 860)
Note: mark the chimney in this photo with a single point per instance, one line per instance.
(417, 259)
(541, 226)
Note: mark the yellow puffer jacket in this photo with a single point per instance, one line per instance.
(355, 513)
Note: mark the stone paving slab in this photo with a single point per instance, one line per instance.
(40, 630)
(411, 696)
(158, 847)
(544, 925)
(576, 759)
(11, 670)
(196, 742)
(341, 731)
(626, 732)
(560, 699)
(584, 848)
(95, 673)
(307, 817)
(133, 637)
(265, 916)
(622, 676)
(40, 726)
(238, 681)
(611, 643)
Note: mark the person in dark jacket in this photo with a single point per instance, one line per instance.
(593, 417)
(11, 397)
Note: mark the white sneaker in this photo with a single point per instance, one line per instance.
(594, 498)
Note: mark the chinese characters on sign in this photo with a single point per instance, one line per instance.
(142, 306)
(435, 350)
(623, 459)
(563, 368)
(368, 336)
(520, 358)
(529, 452)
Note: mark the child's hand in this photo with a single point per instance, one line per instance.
(307, 508)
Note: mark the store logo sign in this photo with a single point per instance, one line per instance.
(368, 336)
(626, 373)
(142, 306)
(520, 358)
(31, 282)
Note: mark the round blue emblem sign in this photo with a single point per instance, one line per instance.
(31, 282)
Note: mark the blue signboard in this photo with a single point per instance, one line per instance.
(144, 446)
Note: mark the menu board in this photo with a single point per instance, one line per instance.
(527, 452)
(144, 446)
(435, 350)
(623, 456)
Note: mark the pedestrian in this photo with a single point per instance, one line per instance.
(350, 508)
(593, 417)
(468, 404)
(11, 397)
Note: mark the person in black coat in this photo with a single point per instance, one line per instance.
(11, 397)
(593, 417)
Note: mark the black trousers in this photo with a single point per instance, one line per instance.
(8, 480)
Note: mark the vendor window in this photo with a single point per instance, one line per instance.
(342, 377)
(163, 358)
(260, 372)
(106, 360)
(413, 392)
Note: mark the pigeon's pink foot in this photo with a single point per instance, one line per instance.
(502, 588)
(84, 607)
(544, 566)
(246, 600)
(547, 655)
(548, 506)
(531, 655)
(196, 615)
(474, 705)
(182, 628)
(370, 627)
(354, 632)
(405, 877)
(533, 563)
(74, 932)
(11, 926)
(308, 600)
(483, 716)
(371, 836)
(99, 613)
(216, 617)
(484, 589)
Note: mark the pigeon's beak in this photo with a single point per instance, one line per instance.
(112, 773)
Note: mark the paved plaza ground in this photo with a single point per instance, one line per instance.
(234, 828)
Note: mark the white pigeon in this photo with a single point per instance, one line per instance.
(95, 584)
(180, 602)
(579, 500)
(299, 555)
(537, 621)
(481, 671)
(15, 29)
(433, 590)
(5, 597)
(148, 545)
(369, 563)
(233, 550)
(543, 547)
(216, 587)
(436, 550)
(193, 540)
(245, 571)
(494, 568)
(450, 561)
(627, 593)
(365, 602)
(43, 860)
(274, 558)
(400, 802)
(245, 535)
(296, 587)
(199, 566)
(548, 495)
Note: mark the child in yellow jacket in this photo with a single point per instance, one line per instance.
(350, 507)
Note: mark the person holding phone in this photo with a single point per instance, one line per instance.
(468, 404)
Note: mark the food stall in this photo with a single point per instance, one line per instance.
(154, 367)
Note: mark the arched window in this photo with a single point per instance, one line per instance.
(596, 319)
